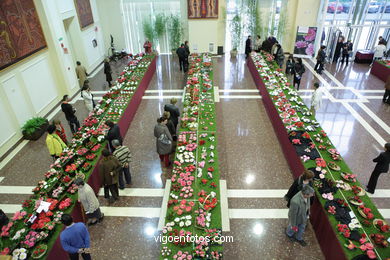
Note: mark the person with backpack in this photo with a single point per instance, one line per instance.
(290, 67)
(299, 69)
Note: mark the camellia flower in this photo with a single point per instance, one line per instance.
(301, 44)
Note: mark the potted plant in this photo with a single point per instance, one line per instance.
(148, 29)
(235, 27)
(34, 128)
(175, 30)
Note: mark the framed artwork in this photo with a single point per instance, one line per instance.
(202, 9)
(84, 12)
(305, 41)
(21, 33)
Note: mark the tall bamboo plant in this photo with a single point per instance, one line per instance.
(148, 29)
(282, 21)
(236, 31)
(175, 30)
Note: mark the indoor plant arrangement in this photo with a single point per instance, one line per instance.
(236, 31)
(285, 99)
(30, 235)
(193, 204)
(34, 128)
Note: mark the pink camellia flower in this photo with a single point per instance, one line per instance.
(371, 254)
(310, 49)
(301, 44)
(311, 35)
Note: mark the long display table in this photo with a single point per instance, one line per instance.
(57, 253)
(380, 70)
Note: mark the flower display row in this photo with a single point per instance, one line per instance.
(357, 223)
(193, 210)
(33, 230)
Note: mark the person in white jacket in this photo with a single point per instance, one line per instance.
(88, 97)
(316, 99)
(379, 51)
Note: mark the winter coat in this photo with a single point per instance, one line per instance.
(316, 99)
(107, 165)
(54, 144)
(81, 73)
(299, 210)
(107, 71)
(321, 56)
(379, 51)
(248, 46)
(162, 148)
(290, 66)
(88, 198)
(88, 99)
(299, 69)
(295, 188)
(114, 134)
(174, 112)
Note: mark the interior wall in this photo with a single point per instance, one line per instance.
(301, 13)
(202, 32)
(112, 24)
(35, 85)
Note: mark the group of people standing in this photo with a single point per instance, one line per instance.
(165, 131)
(343, 49)
(183, 52)
(270, 45)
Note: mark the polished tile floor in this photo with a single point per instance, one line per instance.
(250, 159)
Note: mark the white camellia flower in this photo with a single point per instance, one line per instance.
(188, 223)
(177, 219)
(169, 229)
(23, 250)
(16, 252)
(181, 224)
(213, 194)
(188, 217)
(22, 256)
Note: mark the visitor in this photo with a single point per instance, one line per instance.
(75, 238)
(88, 97)
(386, 96)
(279, 55)
(81, 73)
(123, 154)
(148, 47)
(379, 51)
(70, 116)
(290, 67)
(170, 125)
(109, 171)
(346, 51)
(182, 54)
(163, 140)
(382, 165)
(382, 41)
(339, 46)
(108, 71)
(298, 214)
(299, 69)
(321, 58)
(316, 99)
(267, 44)
(174, 111)
(248, 46)
(89, 201)
(258, 43)
(305, 179)
(60, 131)
(187, 47)
(113, 133)
(54, 143)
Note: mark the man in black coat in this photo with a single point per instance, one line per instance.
(174, 111)
(70, 116)
(248, 46)
(382, 165)
(114, 133)
(182, 53)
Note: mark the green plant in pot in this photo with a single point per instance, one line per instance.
(148, 29)
(236, 31)
(34, 128)
(175, 30)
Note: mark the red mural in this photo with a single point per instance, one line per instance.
(202, 9)
(20, 31)
(84, 12)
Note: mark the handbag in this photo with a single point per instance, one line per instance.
(164, 139)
